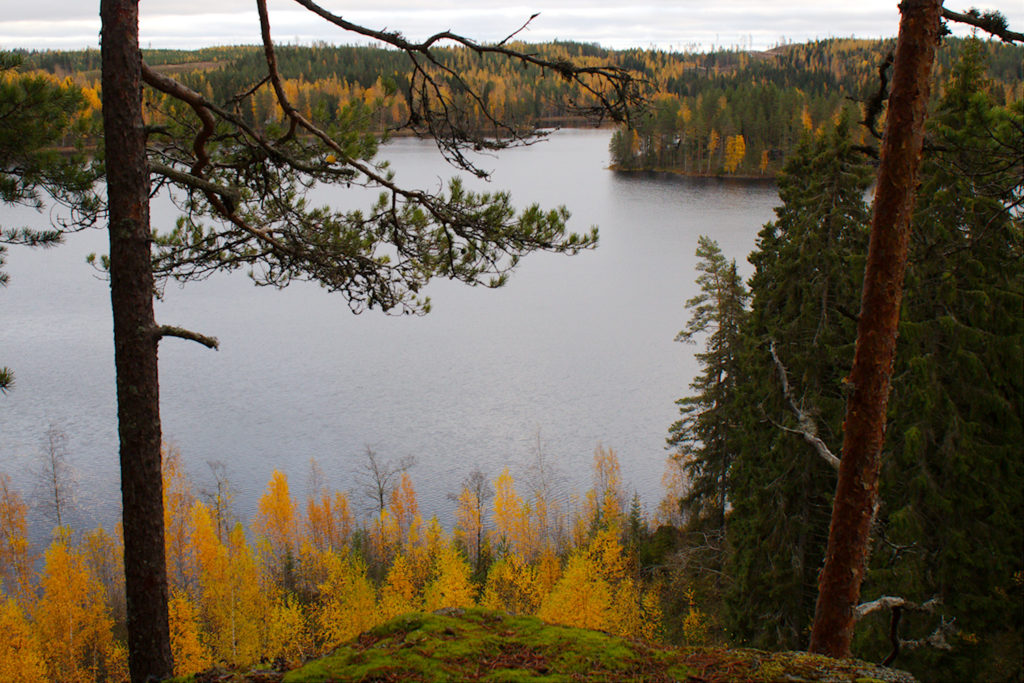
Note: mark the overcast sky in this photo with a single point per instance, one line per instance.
(666, 24)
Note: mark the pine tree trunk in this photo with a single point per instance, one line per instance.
(135, 344)
(864, 426)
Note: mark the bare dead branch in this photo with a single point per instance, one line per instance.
(520, 29)
(890, 602)
(396, 39)
(623, 85)
(242, 95)
(937, 639)
(807, 428)
(180, 332)
(874, 105)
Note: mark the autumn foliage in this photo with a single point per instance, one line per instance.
(302, 580)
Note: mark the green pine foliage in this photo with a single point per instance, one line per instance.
(40, 125)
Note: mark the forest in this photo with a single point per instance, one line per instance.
(742, 114)
(733, 552)
(725, 113)
(308, 574)
(757, 435)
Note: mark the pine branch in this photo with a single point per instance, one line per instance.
(624, 87)
(873, 106)
(993, 23)
(180, 332)
(520, 29)
(185, 94)
(6, 380)
(808, 429)
(227, 193)
(937, 639)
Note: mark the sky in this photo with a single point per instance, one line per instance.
(665, 24)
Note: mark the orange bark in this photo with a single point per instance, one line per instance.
(864, 426)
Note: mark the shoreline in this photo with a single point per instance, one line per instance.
(746, 178)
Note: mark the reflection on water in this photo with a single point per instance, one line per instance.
(576, 350)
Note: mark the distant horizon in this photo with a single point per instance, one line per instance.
(315, 43)
(667, 25)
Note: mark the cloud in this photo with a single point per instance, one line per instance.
(679, 24)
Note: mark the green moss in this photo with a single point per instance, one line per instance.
(517, 675)
(770, 671)
(481, 645)
(680, 672)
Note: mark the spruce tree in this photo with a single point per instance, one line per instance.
(949, 521)
(950, 524)
(702, 437)
(808, 268)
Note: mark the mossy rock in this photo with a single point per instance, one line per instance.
(482, 645)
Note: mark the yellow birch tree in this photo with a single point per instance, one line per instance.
(735, 150)
(450, 585)
(73, 621)
(507, 508)
(329, 520)
(512, 586)
(403, 505)
(15, 560)
(400, 593)
(21, 656)
(348, 603)
(178, 500)
(581, 597)
(276, 524)
(189, 652)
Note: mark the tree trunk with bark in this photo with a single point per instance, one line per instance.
(864, 426)
(135, 343)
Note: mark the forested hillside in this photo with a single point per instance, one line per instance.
(341, 83)
(743, 113)
(726, 112)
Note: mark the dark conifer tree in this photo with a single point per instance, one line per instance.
(950, 524)
(808, 268)
(702, 437)
(949, 521)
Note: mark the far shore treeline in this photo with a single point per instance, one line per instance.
(728, 112)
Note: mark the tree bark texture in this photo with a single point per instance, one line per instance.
(135, 345)
(864, 426)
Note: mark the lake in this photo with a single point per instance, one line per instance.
(573, 352)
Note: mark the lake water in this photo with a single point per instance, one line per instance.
(572, 353)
